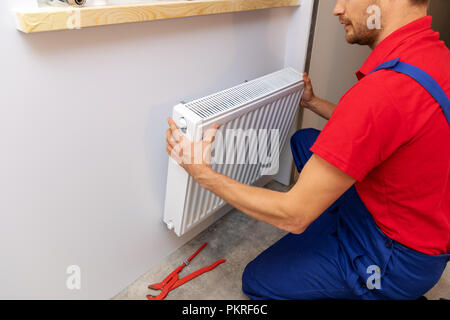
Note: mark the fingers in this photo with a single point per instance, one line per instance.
(169, 138)
(210, 133)
(176, 153)
(175, 132)
(307, 80)
(173, 137)
(169, 149)
(172, 146)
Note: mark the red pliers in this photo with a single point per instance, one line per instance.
(172, 281)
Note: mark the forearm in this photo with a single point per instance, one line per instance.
(261, 204)
(319, 185)
(321, 107)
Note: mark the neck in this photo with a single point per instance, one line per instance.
(396, 19)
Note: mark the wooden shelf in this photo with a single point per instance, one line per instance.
(50, 19)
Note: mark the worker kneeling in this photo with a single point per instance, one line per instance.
(369, 217)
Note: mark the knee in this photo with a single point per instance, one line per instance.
(247, 276)
(249, 287)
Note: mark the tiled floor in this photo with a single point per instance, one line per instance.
(228, 238)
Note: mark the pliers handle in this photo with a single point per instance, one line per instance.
(172, 281)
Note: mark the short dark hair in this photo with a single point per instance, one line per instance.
(419, 2)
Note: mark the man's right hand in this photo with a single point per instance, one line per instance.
(308, 93)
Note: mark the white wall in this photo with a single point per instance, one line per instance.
(333, 61)
(82, 139)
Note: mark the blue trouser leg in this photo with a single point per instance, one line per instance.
(302, 266)
(342, 255)
(403, 273)
(301, 142)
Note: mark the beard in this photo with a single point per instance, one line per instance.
(359, 33)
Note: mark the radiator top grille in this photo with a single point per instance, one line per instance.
(243, 93)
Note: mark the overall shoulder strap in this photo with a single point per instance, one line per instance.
(423, 78)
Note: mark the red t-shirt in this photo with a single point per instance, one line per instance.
(390, 134)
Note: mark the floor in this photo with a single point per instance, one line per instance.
(227, 238)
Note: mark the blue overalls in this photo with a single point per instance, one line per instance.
(343, 254)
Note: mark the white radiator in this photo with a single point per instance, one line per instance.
(264, 110)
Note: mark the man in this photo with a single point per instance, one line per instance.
(369, 217)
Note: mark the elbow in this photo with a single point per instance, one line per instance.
(293, 218)
(296, 226)
(296, 229)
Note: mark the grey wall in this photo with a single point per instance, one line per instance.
(440, 11)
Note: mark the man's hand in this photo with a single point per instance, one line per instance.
(194, 157)
(310, 101)
(318, 186)
(308, 93)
